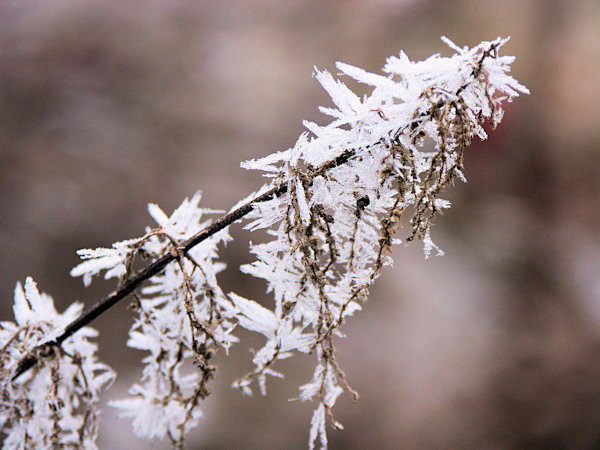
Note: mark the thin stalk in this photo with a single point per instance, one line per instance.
(155, 267)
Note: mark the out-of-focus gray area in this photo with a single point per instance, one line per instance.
(107, 106)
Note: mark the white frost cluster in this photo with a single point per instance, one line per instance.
(54, 404)
(182, 311)
(348, 187)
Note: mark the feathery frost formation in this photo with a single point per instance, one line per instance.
(332, 206)
(348, 190)
(182, 314)
(54, 405)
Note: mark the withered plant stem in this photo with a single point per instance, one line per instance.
(131, 284)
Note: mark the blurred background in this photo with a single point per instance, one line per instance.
(107, 106)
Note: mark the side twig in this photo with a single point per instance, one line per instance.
(148, 272)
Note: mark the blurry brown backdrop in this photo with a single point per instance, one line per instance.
(108, 105)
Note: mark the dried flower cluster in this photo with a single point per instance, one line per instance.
(333, 205)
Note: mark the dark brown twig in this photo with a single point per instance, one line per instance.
(128, 286)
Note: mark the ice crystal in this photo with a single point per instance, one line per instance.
(182, 317)
(55, 403)
(384, 159)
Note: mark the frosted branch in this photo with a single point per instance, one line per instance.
(333, 207)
